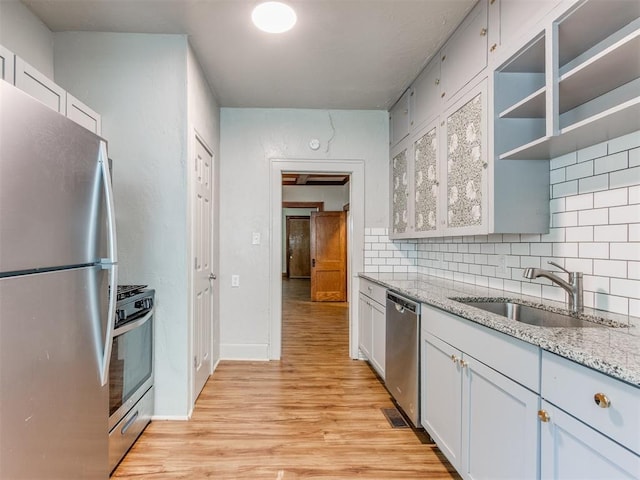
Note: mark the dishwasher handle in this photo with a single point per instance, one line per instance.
(403, 304)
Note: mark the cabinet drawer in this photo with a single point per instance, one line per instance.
(373, 290)
(574, 387)
(514, 358)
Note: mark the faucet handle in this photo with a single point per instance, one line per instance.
(560, 267)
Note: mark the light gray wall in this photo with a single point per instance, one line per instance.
(138, 83)
(250, 138)
(25, 35)
(204, 118)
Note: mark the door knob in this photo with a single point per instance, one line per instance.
(212, 276)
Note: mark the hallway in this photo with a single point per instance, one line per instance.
(313, 415)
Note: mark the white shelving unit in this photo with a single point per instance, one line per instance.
(590, 89)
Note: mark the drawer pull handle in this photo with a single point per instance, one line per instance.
(543, 416)
(454, 358)
(483, 32)
(602, 400)
(463, 363)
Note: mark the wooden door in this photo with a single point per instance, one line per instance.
(328, 256)
(202, 273)
(298, 247)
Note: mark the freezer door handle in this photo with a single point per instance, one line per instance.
(108, 334)
(108, 196)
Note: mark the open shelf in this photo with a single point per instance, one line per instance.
(612, 123)
(532, 106)
(591, 23)
(605, 71)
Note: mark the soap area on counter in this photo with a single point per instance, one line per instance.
(502, 398)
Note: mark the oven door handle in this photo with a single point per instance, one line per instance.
(132, 325)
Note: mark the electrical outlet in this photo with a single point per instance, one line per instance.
(235, 280)
(502, 264)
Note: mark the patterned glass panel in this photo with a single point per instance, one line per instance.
(400, 192)
(465, 165)
(426, 181)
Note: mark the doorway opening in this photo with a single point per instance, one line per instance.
(351, 208)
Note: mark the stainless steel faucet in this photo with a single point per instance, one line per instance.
(573, 286)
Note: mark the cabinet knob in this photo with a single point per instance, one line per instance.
(437, 82)
(485, 165)
(493, 47)
(444, 57)
(483, 32)
(442, 95)
(463, 363)
(492, 2)
(454, 358)
(543, 416)
(602, 400)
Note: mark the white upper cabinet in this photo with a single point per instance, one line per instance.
(575, 83)
(7, 63)
(83, 115)
(509, 20)
(465, 53)
(39, 86)
(425, 95)
(399, 119)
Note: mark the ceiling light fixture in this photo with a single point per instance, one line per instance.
(274, 17)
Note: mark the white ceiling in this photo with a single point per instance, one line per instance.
(351, 54)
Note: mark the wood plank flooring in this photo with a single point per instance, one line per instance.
(316, 414)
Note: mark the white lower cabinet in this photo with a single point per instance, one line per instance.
(590, 423)
(572, 450)
(372, 324)
(484, 422)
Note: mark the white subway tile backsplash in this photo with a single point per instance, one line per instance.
(557, 176)
(564, 160)
(625, 251)
(580, 170)
(634, 157)
(579, 202)
(520, 249)
(565, 249)
(625, 178)
(579, 234)
(598, 216)
(584, 265)
(564, 219)
(634, 195)
(593, 184)
(610, 198)
(628, 214)
(625, 288)
(541, 249)
(634, 232)
(611, 303)
(610, 268)
(596, 284)
(633, 271)
(379, 231)
(565, 189)
(610, 233)
(554, 235)
(634, 307)
(611, 163)
(595, 151)
(557, 205)
(593, 250)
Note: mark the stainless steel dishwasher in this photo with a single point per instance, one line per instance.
(402, 365)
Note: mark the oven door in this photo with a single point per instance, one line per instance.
(131, 368)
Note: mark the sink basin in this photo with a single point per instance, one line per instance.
(530, 315)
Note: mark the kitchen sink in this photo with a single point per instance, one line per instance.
(529, 315)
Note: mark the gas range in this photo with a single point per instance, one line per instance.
(132, 302)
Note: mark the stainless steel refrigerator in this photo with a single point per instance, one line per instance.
(58, 266)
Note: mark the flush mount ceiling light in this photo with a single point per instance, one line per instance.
(274, 17)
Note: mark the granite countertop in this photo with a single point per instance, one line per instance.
(614, 350)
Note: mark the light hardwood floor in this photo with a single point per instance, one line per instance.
(316, 414)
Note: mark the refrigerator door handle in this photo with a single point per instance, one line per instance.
(108, 334)
(108, 195)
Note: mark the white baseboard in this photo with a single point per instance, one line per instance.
(179, 418)
(244, 352)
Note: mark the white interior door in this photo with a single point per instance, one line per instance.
(203, 277)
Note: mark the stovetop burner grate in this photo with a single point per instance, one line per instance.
(125, 291)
